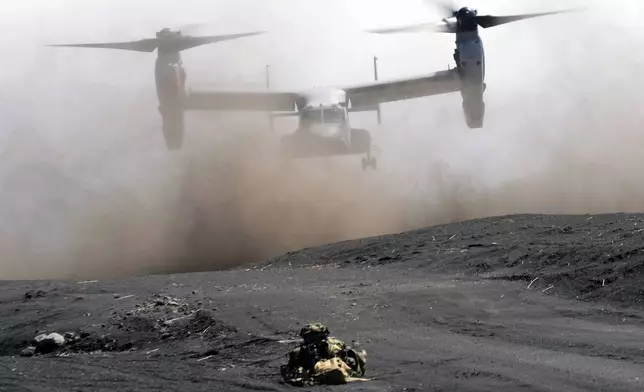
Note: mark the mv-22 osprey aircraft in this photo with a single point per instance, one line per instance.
(469, 54)
(324, 128)
(323, 113)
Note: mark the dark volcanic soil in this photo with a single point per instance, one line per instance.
(518, 303)
(598, 258)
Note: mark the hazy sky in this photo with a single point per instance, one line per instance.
(563, 92)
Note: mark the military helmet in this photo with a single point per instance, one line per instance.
(314, 332)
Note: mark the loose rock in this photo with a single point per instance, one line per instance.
(28, 351)
(46, 344)
(70, 337)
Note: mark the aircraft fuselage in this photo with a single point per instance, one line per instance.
(324, 129)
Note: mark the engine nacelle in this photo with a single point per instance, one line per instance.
(474, 106)
(474, 112)
(170, 83)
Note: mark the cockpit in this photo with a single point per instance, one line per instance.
(327, 115)
(324, 121)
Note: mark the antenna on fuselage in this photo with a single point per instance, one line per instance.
(375, 68)
(375, 76)
(268, 87)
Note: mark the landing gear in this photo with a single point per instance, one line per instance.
(369, 162)
(361, 143)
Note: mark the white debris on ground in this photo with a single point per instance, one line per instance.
(45, 344)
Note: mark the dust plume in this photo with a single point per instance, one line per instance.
(244, 203)
(228, 204)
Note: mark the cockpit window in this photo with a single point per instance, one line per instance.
(335, 115)
(323, 116)
(312, 116)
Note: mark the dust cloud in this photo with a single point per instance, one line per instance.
(89, 190)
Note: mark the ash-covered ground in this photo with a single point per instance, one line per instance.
(513, 303)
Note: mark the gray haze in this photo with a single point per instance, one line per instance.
(88, 188)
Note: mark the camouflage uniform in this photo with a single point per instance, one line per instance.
(319, 347)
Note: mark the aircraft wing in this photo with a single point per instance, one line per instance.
(242, 100)
(443, 82)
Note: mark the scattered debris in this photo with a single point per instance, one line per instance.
(548, 288)
(615, 292)
(169, 323)
(533, 280)
(205, 358)
(289, 341)
(158, 319)
(28, 351)
(71, 337)
(151, 322)
(31, 294)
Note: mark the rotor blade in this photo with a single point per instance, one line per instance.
(446, 8)
(144, 45)
(487, 21)
(431, 27)
(188, 42)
